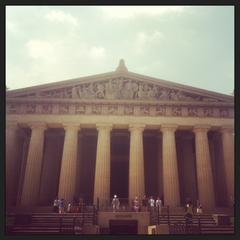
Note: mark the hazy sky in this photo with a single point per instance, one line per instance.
(192, 45)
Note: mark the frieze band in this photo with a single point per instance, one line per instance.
(118, 109)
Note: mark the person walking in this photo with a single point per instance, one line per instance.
(115, 203)
(189, 213)
(151, 203)
(136, 204)
(55, 205)
(61, 205)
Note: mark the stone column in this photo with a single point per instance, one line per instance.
(78, 186)
(102, 169)
(170, 166)
(68, 170)
(204, 168)
(228, 156)
(160, 167)
(11, 158)
(31, 183)
(136, 163)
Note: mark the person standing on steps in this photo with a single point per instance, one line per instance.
(159, 205)
(115, 203)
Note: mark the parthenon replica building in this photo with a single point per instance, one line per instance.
(119, 133)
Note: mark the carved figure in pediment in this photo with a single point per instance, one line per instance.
(184, 97)
(127, 92)
(46, 108)
(100, 92)
(176, 111)
(207, 112)
(160, 110)
(46, 94)
(172, 95)
(192, 112)
(80, 109)
(110, 90)
(90, 91)
(128, 110)
(75, 92)
(30, 108)
(164, 94)
(135, 89)
(63, 108)
(153, 92)
(87, 91)
(223, 112)
(96, 109)
(142, 91)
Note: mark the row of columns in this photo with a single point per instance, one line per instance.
(67, 180)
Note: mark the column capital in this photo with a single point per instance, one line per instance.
(137, 127)
(168, 127)
(69, 126)
(104, 126)
(227, 128)
(201, 128)
(37, 125)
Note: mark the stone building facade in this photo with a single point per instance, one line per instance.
(119, 133)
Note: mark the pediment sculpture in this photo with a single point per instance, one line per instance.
(121, 88)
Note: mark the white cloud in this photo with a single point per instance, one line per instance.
(145, 40)
(43, 50)
(61, 17)
(126, 12)
(97, 52)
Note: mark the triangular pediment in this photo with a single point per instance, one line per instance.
(115, 86)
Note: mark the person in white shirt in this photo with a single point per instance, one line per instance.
(151, 203)
(115, 203)
(159, 204)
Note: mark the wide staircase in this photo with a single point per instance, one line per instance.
(201, 224)
(51, 223)
(48, 223)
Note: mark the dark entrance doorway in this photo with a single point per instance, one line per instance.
(119, 164)
(117, 227)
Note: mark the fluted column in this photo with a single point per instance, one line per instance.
(31, 183)
(204, 168)
(228, 156)
(102, 169)
(160, 168)
(11, 158)
(136, 163)
(68, 170)
(170, 166)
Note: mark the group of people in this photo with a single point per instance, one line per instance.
(137, 205)
(60, 206)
